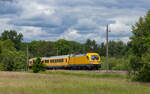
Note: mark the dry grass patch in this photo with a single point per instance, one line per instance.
(29, 83)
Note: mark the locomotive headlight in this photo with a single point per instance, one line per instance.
(98, 61)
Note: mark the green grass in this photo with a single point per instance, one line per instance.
(87, 74)
(61, 82)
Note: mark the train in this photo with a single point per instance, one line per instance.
(90, 61)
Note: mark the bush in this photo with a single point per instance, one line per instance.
(12, 60)
(140, 48)
(115, 63)
(1, 67)
(140, 67)
(145, 69)
(38, 66)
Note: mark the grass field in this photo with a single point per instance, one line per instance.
(62, 82)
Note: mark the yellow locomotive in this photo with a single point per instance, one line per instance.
(79, 61)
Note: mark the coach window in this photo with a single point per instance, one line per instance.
(46, 61)
(66, 60)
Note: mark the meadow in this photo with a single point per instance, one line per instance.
(69, 82)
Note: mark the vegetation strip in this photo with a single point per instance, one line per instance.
(88, 74)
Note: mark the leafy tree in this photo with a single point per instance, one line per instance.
(7, 44)
(20, 61)
(62, 47)
(38, 65)
(102, 49)
(76, 47)
(144, 73)
(15, 37)
(140, 49)
(10, 58)
(41, 48)
(13, 60)
(117, 49)
(91, 46)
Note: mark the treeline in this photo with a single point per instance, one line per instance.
(13, 51)
(65, 47)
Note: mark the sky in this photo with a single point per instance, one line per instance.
(76, 20)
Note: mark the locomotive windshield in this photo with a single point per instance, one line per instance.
(94, 57)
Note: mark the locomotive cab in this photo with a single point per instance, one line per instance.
(94, 59)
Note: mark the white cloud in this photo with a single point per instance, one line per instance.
(33, 8)
(74, 20)
(32, 32)
(119, 29)
(71, 35)
(36, 33)
(4, 27)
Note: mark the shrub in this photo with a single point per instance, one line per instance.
(139, 67)
(145, 69)
(1, 67)
(115, 63)
(38, 66)
(140, 48)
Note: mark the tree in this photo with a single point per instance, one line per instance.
(62, 47)
(15, 37)
(41, 48)
(117, 49)
(38, 65)
(102, 49)
(140, 42)
(76, 47)
(10, 58)
(13, 60)
(91, 46)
